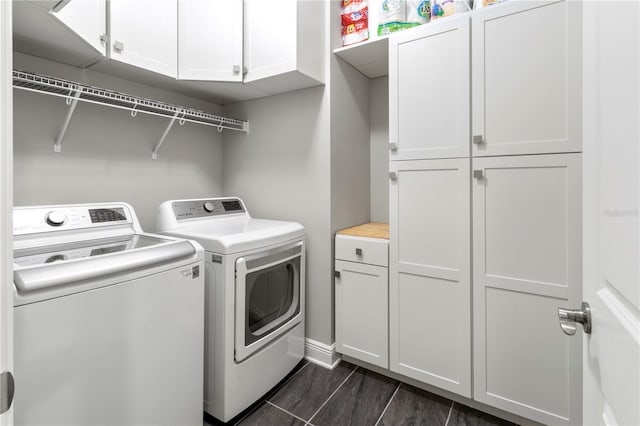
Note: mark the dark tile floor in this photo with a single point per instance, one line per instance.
(350, 395)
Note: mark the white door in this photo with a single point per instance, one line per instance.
(429, 277)
(429, 94)
(526, 263)
(611, 226)
(526, 78)
(144, 33)
(210, 40)
(88, 19)
(6, 200)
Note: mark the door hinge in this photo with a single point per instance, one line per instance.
(7, 387)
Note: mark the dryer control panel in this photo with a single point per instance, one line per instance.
(192, 209)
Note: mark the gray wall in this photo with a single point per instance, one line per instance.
(379, 95)
(306, 159)
(106, 154)
(281, 170)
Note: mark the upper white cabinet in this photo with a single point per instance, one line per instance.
(429, 91)
(526, 78)
(88, 19)
(284, 38)
(144, 33)
(429, 273)
(210, 40)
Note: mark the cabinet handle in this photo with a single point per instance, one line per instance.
(336, 274)
(478, 174)
(104, 38)
(393, 146)
(236, 69)
(118, 45)
(393, 175)
(478, 140)
(358, 252)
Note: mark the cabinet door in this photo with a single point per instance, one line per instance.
(270, 31)
(526, 264)
(88, 19)
(527, 78)
(429, 273)
(362, 312)
(210, 40)
(429, 95)
(144, 33)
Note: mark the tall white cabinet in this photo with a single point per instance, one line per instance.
(526, 264)
(429, 271)
(485, 230)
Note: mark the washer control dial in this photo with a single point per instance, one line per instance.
(209, 206)
(55, 218)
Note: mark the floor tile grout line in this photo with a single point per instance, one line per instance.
(388, 404)
(265, 400)
(334, 392)
(285, 411)
(288, 380)
(449, 416)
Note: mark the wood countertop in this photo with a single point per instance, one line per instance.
(369, 230)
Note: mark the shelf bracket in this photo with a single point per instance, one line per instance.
(154, 154)
(57, 146)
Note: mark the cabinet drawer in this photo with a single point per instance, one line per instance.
(374, 251)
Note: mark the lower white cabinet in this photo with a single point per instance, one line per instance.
(429, 273)
(499, 237)
(527, 263)
(361, 291)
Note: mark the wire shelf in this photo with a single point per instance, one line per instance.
(65, 88)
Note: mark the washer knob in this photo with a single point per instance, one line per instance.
(56, 218)
(208, 206)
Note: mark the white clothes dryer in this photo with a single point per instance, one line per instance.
(108, 320)
(254, 307)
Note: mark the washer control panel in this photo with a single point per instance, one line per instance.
(30, 220)
(192, 209)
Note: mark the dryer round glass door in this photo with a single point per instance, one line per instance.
(267, 297)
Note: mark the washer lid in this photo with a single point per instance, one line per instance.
(54, 265)
(233, 235)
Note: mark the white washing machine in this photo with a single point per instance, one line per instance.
(254, 309)
(108, 320)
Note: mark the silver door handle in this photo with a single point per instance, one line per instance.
(7, 386)
(569, 317)
(358, 252)
(118, 46)
(478, 140)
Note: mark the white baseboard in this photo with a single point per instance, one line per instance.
(321, 354)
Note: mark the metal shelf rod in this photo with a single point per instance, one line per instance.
(157, 114)
(154, 154)
(57, 146)
(75, 92)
